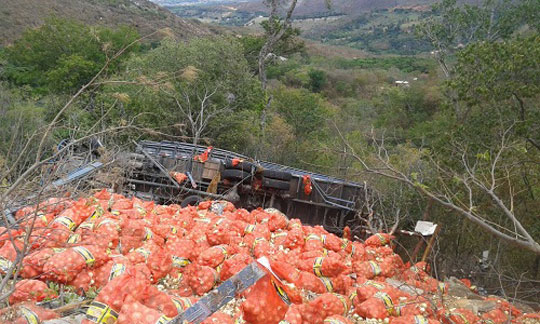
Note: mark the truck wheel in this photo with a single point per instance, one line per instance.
(280, 175)
(190, 201)
(233, 174)
(275, 184)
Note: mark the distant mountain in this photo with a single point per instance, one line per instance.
(17, 15)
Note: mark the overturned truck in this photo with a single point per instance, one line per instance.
(212, 173)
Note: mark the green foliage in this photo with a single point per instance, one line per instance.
(168, 81)
(317, 80)
(303, 110)
(62, 54)
(404, 63)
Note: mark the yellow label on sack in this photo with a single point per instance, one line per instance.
(141, 210)
(74, 238)
(163, 320)
(65, 221)
(374, 284)
(87, 255)
(388, 303)
(441, 287)
(144, 252)
(5, 264)
(332, 321)
(174, 230)
(463, 318)
(419, 319)
(219, 221)
(58, 250)
(257, 241)
(344, 244)
(249, 229)
(148, 234)
(381, 238)
(202, 220)
(283, 322)
(282, 294)
(42, 216)
(274, 235)
(98, 212)
(87, 225)
(116, 270)
(115, 212)
(219, 267)
(375, 268)
(325, 252)
(344, 302)
(100, 313)
(353, 249)
(313, 237)
(223, 249)
(327, 284)
(353, 295)
(317, 264)
(179, 262)
(107, 221)
(323, 239)
(182, 304)
(30, 316)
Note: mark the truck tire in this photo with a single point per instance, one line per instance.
(244, 165)
(190, 201)
(234, 174)
(276, 184)
(275, 174)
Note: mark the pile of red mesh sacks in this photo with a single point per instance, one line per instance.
(151, 262)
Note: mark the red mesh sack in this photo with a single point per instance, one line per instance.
(342, 283)
(457, 316)
(8, 254)
(368, 288)
(367, 269)
(495, 316)
(222, 231)
(337, 319)
(111, 298)
(379, 306)
(201, 278)
(311, 282)
(34, 262)
(295, 237)
(330, 304)
(332, 242)
(277, 219)
(65, 266)
(30, 313)
(31, 290)
(83, 281)
(261, 247)
(234, 265)
(156, 258)
(110, 270)
(285, 271)
(506, 306)
(214, 256)
(329, 266)
(379, 239)
(263, 304)
(313, 243)
(358, 252)
(135, 312)
(293, 315)
(160, 301)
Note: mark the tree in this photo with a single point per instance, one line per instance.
(189, 84)
(317, 80)
(62, 55)
(452, 26)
